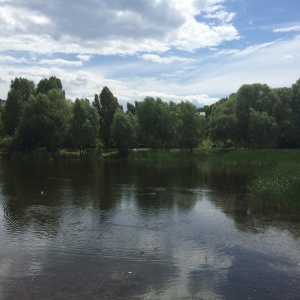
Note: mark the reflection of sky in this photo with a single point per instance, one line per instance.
(183, 250)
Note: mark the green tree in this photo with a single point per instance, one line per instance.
(123, 131)
(156, 122)
(295, 105)
(20, 91)
(108, 108)
(223, 121)
(262, 130)
(45, 85)
(223, 128)
(1, 122)
(45, 122)
(285, 117)
(85, 125)
(256, 96)
(131, 108)
(190, 126)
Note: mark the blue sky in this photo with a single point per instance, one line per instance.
(195, 50)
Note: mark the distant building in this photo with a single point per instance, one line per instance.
(2, 103)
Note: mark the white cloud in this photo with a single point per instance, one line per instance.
(139, 48)
(287, 29)
(14, 18)
(104, 27)
(84, 57)
(194, 35)
(60, 62)
(5, 59)
(164, 60)
(270, 63)
(246, 51)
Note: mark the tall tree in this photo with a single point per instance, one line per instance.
(44, 122)
(45, 85)
(156, 121)
(123, 131)
(131, 108)
(223, 121)
(296, 109)
(190, 126)
(262, 130)
(1, 122)
(108, 108)
(285, 117)
(20, 91)
(249, 96)
(85, 125)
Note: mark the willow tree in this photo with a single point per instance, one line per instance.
(85, 125)
(45, 122)
(123, 132)
(20, 91)
(190, 126)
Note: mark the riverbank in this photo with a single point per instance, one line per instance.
(225, 156)
(277, 180)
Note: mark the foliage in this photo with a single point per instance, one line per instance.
(190, 126)
(107, 109)
(45, 85)
(157, 123)
(44, 122)
(279, 186)
(131, 108)
(123, 132)
(262, 130)
(85, 125)
(20, 91)
(1, 122)
(256, 116)
(5, 144)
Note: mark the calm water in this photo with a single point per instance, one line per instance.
(111, 230)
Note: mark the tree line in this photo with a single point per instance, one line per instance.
(257, 116)
(37, 116)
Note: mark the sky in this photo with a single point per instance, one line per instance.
(177, 50)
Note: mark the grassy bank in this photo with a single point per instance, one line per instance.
(224, 156)
(277, 179)
(279, 186)
(43, 154)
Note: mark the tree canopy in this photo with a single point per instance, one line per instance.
(85, 125)
(255, 116)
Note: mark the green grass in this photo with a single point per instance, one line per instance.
(255, 156)
(224, 156)
(278, 186)
(276, 180)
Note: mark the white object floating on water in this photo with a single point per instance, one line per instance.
(129, 272)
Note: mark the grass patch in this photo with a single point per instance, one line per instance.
(255, 156)
(279, 186)
(224, 156)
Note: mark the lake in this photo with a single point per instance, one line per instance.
(140, 230)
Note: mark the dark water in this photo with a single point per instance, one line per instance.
(114, 230)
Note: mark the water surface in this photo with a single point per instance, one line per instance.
(118, 230)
